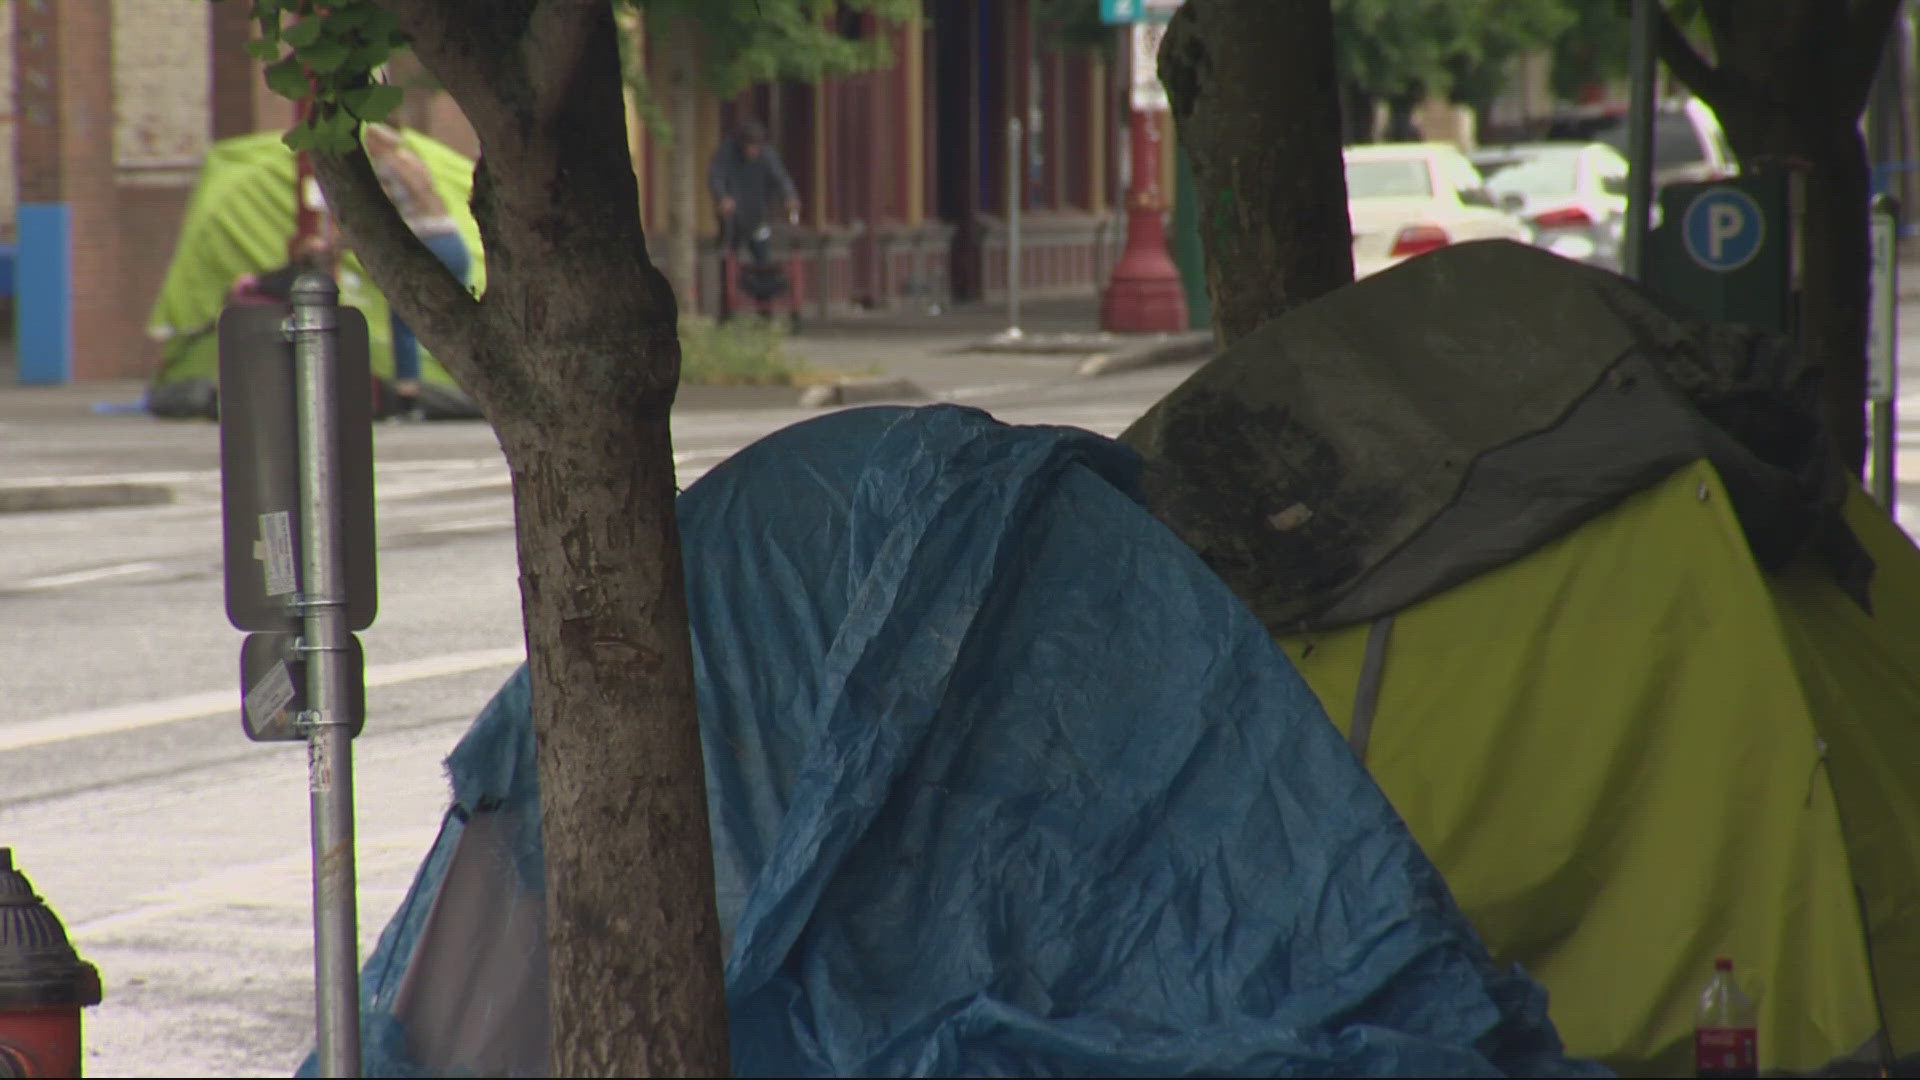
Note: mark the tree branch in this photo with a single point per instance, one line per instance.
(1866, 31)
(1713, 85)
(435, 304)
(557, 36)
(468, 48)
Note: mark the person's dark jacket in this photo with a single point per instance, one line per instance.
(750, 182)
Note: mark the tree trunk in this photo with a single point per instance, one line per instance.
(680, 81)
(573, 355)
(634, 944)
(1789, 89)
(1248, 84)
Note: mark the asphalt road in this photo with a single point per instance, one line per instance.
(177, 851)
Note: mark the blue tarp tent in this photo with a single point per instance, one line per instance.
(1003, 780)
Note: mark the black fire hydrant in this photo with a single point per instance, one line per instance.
(43, 984)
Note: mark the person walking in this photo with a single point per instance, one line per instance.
(746, 172)
(409, 185)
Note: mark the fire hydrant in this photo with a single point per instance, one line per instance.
(43, 984)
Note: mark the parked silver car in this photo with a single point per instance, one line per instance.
(1573, 194)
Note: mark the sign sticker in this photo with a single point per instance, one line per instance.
(319, 771)
(266, 701)
(274, 549)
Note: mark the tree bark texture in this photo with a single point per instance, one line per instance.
(572, 353)
(1254, 97)
(1789, 85)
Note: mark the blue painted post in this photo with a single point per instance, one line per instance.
(43, 309)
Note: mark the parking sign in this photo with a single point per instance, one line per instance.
(1723, 229)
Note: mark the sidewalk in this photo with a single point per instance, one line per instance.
(910, 353)
(899, 355)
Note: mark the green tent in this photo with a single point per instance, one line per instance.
(1634, 660)
(239, 221)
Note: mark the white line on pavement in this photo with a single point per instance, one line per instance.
(82, 577)
(21, 734)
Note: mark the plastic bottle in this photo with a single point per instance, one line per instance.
(1726, 1029)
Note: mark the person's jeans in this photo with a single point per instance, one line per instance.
(451, 250)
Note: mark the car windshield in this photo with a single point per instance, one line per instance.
(1389, 178)
(1674, 140)
(1552, 173)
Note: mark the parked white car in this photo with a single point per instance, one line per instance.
(1573, 194)
(1406, 199)
(1688, 144)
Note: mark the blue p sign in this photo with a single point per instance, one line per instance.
(1723, 229)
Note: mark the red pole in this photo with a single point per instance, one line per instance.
(310, 225)
(1146, 295)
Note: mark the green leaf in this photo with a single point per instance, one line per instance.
(337, 133)
(380, 25)
(351, 17)
(263, 50)
(267, 14)
(287, 79)
(298, 138)
(326, 55)
(303, 33)
(371, 102)
(368, 57)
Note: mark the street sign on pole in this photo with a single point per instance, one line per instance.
(296, 458)
(259, 467)
(274, 687)
(1723, 229)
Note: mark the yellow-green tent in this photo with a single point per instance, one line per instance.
(1633, 751)
(239, 220)
(1633, 658)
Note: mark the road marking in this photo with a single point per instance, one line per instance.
(21, 734)
(82, 577)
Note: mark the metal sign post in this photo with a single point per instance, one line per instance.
(316, 311)
(1883, 367)
(296, 448)
(1640, 163)
(1016, 156)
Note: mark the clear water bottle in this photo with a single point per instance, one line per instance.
(1726, 1034)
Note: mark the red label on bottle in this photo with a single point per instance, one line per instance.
(1726, 1052)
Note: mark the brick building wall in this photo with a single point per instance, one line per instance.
(162, 92)
(9, 187)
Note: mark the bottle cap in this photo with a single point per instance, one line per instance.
(1723, 964)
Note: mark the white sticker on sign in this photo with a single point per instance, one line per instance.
(275, 552)
(267, 700)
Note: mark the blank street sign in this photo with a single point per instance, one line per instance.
(259, 466)
(273, 686)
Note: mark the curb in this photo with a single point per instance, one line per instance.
(855, 391)
(1174, 350)
(43, 495)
